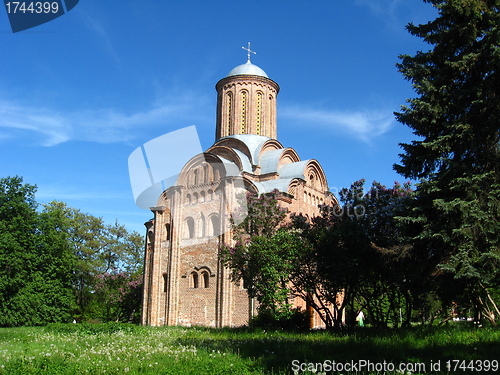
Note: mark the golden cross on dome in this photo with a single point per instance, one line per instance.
(249, 51)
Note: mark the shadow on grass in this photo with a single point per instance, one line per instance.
(275, 351)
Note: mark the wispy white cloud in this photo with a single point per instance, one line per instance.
(393, 13)
(397, 13)
(52, 126)
(364, 125)
(381, 7)
(97, 26)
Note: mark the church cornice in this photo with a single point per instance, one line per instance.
(159, 209)
(246, 79)
(247, 83)
(285, 197)
(205, 185)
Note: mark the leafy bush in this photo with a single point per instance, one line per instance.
(296, 320)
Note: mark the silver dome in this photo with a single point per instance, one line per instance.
(247, 69)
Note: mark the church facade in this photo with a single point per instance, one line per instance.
(184, 281)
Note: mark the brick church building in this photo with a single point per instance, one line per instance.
(184, 281)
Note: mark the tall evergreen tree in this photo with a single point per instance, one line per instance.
(457, 157)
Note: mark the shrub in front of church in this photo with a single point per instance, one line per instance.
(119, 294)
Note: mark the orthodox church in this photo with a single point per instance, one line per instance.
(184, 281)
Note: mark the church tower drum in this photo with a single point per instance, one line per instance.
(246, 103)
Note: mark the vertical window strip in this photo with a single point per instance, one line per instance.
(229, 113)
(271, 117)
(243, 112)
(259, 106)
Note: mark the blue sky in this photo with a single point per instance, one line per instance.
(80, 93)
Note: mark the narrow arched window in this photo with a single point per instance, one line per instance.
(206, 279)
(165, 282)
(194, 280)
(206, 173)
(196, 176)
(167, 231)
(258, 115)
(189, 227)
(214, 220)
(244, 111)
(229, 103)
(271, 121)
(202, 226)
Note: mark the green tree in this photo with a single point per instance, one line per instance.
(37, 264)
(17, 255)
(98, 249)
(456, 115)
(358, 257)
(263, 254)
(392, 275)
(331, 272)
(50, 259)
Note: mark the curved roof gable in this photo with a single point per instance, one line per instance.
(293, 170)
(243, 152)
(271, 161)
(249, 144)
(271, 144)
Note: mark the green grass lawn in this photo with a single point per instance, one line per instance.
(128, 349)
